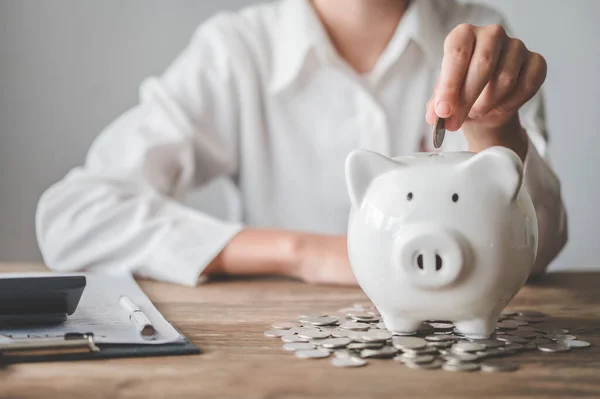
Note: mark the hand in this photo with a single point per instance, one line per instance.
(486, 77)
(324, 260)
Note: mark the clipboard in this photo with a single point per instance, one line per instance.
(75, 346)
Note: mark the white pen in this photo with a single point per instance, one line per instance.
(137, 317)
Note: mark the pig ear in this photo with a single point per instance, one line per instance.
(501, 165)
(362, 167)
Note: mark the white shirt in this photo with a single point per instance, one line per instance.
(262, 98)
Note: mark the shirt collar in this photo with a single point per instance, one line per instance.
(301, 34)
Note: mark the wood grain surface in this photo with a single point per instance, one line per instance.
(227, 318)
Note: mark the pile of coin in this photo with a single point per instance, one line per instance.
(353, 335)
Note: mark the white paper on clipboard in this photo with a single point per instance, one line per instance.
(99, 312)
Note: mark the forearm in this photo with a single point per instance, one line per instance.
(259, 251)
(313, 258)
(510, 135)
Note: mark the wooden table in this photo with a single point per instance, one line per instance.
(227, 320)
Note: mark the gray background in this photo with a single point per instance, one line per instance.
(68, 67)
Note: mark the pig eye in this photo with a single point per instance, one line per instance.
(409, 196)
(455, 197)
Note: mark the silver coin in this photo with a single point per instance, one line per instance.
(298, 330)
(372, 321)
(530, 313)
(506, 325)
(283, 325)
(530, 345)
(425, 329)
(314, 334)
(310, 315)
(460, 366)
(386, 351)
(312, 354)
(522, 334)
(297, 346)
(541, 341)
(508, 313)
(564, 337)
(511, 338)
(498, 366)
(361, 314)
(462, 347)
(441, 337)
(293, 338)
(408, 342)
(350, 310)
(439, 132)
(440, 345)
(442, 326)
(345, 353)
(436, 364)
(381, 325)
(527, 319)
(322, 321)
(355, 326)
(489, 343)
(553, 337)
(512, 347)
(519, 323)
(495, 352)
(416, 359)
(348, 362)
(376, 335)
(558, 347)
(404, 333)
(527, 328)
(461, 357)
(329, 329)
(333, 343)
(365, 345)
(428, 350)
(575, 343)
(337, 333)
(277, 333)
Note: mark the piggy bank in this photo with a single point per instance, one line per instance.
(440, 236)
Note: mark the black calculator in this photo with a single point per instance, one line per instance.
(39, 300)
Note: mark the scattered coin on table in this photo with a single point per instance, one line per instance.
(358, 333)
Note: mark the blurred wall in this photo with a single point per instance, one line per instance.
(68, 67)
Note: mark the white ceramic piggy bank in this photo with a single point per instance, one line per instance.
(440, 236)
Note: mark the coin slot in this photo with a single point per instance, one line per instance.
(420, 261)
(438, 262)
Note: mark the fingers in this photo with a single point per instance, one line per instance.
(505, 78)
(530, 80)
(430, 114)
(458, 49)
(484, 72)
(489, 43)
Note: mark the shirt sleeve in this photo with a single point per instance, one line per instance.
(539, 179)
(123, 210)
(543, 186)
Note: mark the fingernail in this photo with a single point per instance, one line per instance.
(443, 109)
(473, 115)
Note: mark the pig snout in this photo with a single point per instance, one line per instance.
(431, 256)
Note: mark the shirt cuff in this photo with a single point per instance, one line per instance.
(192, 240)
